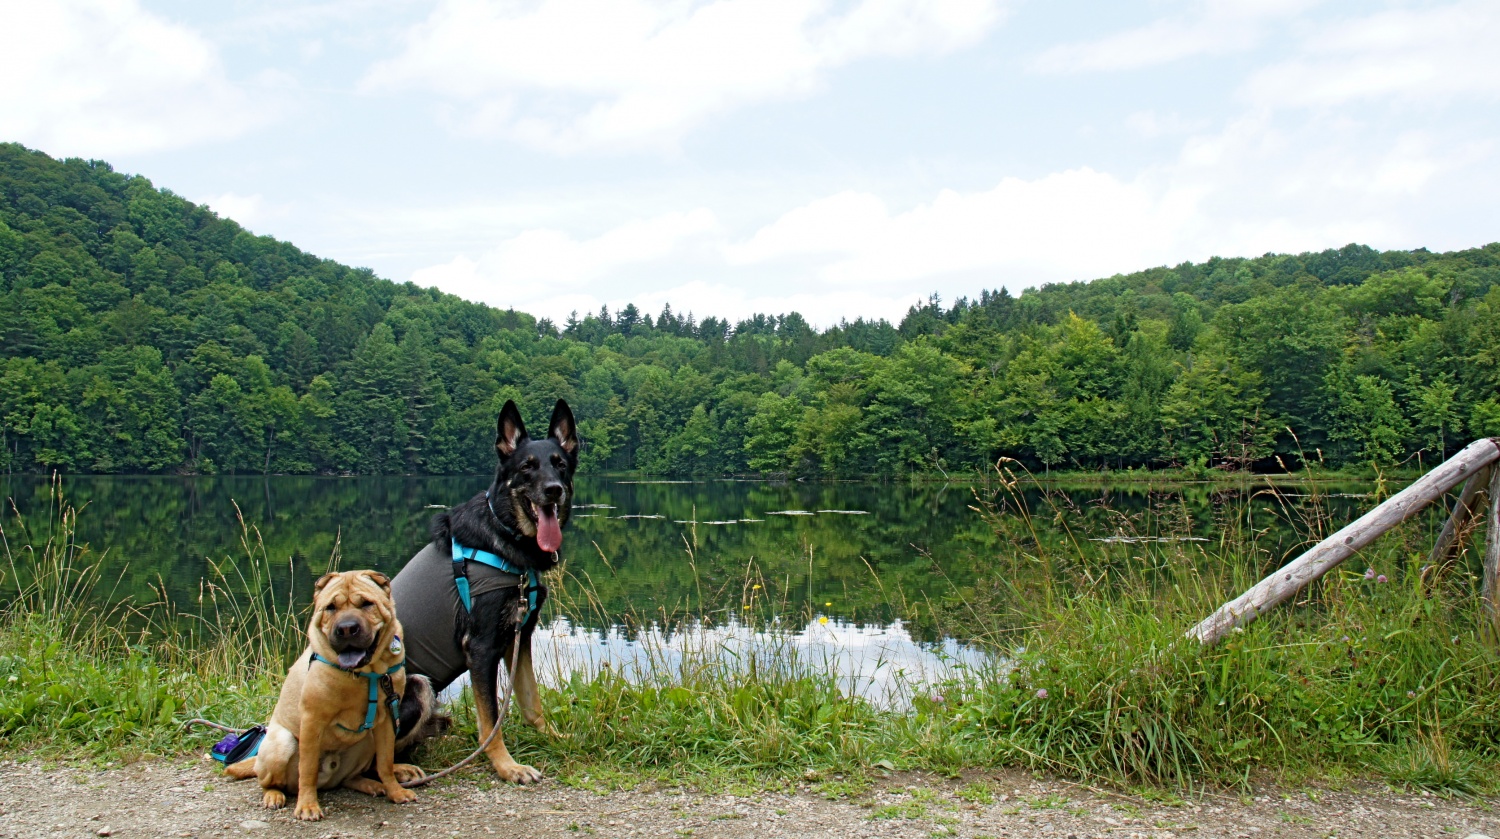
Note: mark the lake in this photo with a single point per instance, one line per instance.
(830, 573)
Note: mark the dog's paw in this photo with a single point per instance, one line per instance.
(273, 799)
(406, 772)
(518, 773)
(366, 786)
(308, 811)
(400, 796)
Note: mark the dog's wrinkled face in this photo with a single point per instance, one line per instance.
(537, 475)
(350, 612)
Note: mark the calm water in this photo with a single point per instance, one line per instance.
(825, 569)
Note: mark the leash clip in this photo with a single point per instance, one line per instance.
(523, 604)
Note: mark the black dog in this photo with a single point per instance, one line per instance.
(488, 551)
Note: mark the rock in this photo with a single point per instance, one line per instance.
(254, 824)
(105, 831)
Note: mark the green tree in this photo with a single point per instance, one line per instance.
(1435, 410)
(771, 432)
(1365, 418)
(1215, 412)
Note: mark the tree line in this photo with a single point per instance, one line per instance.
(140, 332)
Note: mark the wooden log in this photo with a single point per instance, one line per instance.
(1492, 559)
(1327, 554)
(1464, 511)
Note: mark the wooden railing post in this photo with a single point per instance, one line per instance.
(1492, 560)
(1465, 509)
(1327, 554)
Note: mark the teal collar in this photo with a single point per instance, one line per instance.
(393, 700)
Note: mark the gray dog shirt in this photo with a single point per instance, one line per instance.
(427, 605)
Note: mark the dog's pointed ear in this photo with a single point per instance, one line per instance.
(563, 429)
(380, 580)
(323, 581)
(509, 430)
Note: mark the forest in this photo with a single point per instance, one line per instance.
(142, 333)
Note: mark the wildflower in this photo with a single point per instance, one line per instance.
(1041, 693)
(938, 698)
(822, 619)
(754, 587)
(1346, 639)
(1380, 579)
(1369, 573)
(1411, 694)
(828, 604)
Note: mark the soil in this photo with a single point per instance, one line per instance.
(192, 798)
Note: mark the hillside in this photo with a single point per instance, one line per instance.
(142, 333)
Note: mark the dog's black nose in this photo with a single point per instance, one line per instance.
(346, 629)
(552, 492)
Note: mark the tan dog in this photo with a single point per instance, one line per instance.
(321, 734)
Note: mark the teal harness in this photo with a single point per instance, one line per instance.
(462, 554)
(375, 679)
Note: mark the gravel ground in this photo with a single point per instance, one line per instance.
(190, 798)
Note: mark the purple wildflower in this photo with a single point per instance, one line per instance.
(1380, 579)
(1369, 573)
(1041, 693)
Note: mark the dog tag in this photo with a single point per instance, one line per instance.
(395, 645)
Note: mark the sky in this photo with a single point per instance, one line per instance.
(839, 158)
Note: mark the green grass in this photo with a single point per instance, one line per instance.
(82, 676)
(1374, 676)
(977, 792)
(1093, 679)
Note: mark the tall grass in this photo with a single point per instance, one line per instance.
(82, 673)
(1092, 674)
(1365, 672)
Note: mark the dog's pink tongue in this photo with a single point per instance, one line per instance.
(349, 659)
(548, 531)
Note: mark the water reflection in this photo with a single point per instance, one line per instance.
(643, 553)
(883, 664)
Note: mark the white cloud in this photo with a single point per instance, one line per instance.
(1417, 55)
(733, 301)
(1069, 224)
(1150, 125)
(1225, 26)
(545, 265)
(1326, 167)
(104, 77)
(1257, 185)
(248, 211)
(570, 75)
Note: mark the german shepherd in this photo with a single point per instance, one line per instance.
(520, 518)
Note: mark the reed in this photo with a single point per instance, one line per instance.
(84, 674)
(1091, 674)
(1365, 673)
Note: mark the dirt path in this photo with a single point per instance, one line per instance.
(187, 798)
